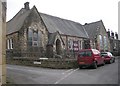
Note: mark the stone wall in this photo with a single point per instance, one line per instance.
(101, 43)
(34, 20)
(70, 52)
(15, 52)
(119, 27)
(20, 38)
(2, 42)
(115, 47)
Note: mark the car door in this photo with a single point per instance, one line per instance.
(100, 59)
(97, 56)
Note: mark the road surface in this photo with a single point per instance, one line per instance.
(107, 74)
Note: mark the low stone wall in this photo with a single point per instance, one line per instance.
(55, 63)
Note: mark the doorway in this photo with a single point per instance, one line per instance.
(58, 47)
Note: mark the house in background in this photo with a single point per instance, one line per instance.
(114, 43)
(34, 34)
(98, 35)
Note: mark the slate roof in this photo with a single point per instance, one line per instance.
(51, 38)
(92, 28)
(17, 21)
(52, 23)
(64, 26)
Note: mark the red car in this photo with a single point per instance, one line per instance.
(90, 57)
(108, 57)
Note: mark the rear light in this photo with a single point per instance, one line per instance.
(107, 56)
(94, 59)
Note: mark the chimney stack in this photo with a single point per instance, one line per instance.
(26, 5)
(108, 33)
(112, 34)
(116, 35)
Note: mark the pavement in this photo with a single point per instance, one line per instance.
(107, 74)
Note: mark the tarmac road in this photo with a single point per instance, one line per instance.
(107, 74)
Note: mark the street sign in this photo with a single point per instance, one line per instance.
(75, 46)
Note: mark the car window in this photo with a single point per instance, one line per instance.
(85, 53)
(110, 54)
(96, 52)
(104, 54)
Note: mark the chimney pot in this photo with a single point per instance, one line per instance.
(108, 32)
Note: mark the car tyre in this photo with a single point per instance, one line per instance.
(111, 61)
(103, 63)
(80, 67)
(95, 65)
(114, 61)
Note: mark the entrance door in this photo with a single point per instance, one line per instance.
(58, 46)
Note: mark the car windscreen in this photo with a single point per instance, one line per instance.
(85, 54)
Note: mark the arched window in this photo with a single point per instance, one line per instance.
(70, 44)
(105, 42)
(30, 37)
(10, 43)
(39, 38)
(34, 37)
(101, 41)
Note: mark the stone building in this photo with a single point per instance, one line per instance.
(2, 42)
(114, 43)
(119, 20)
(98, 35)
(34, 34)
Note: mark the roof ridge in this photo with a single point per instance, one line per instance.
(69, 25)
(85, 31)
(15, 15)
(93, 22)
(60, 18)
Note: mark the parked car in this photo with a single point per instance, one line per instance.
(89, 57)
(108, 57)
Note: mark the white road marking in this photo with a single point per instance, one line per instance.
(65, 76)
(67, 71)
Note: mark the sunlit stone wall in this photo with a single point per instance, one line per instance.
(2, 41)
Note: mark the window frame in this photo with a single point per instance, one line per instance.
(9, 43)
(34, 36)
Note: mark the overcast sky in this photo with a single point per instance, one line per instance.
(82, 11)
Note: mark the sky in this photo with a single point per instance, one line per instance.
(82, 11)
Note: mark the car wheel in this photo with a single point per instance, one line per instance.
(113, 60)
(95, 65)
(110, 61)
(80, 67)
(103, 63)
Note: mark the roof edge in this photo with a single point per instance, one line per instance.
(15, 15)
